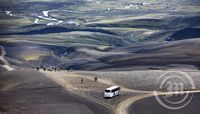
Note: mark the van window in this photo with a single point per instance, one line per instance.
(117, 89)
(107, 90)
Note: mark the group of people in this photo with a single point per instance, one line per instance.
(52, 68)
(58, 69)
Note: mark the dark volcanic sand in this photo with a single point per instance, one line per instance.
(151, 106)
(30, 92)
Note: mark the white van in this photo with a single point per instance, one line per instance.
(112, 92)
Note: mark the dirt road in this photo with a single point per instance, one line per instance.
(123, 106)
(60, 78)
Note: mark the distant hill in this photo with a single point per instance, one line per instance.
(50, 30)
(185, 34)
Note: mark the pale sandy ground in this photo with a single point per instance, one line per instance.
(143, 80)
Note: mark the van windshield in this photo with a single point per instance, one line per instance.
(107, 90)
